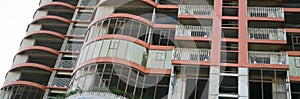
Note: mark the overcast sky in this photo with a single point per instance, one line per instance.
(15, 16)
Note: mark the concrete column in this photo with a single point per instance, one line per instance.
(214, 82)
(243, 83)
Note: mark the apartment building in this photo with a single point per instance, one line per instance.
(153, 49)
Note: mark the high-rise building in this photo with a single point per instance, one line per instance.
(153, 49)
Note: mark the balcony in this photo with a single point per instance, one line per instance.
(96, 95)
(196, 10)
(66, 63)
(73, 47)
(267, 57)
(267, 33)
(60, 82)
(193, 31)
(191, 54)
(271, 12)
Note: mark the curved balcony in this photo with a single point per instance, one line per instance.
(74, 3)
(45, 38)
(56, 9)
(37, 54)
(22, 90)
(134, 26)
(116, 76)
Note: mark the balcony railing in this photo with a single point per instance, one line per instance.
(196, 31)
(191, 54)
(272, 12)
(89, 2)
(67, 63)
(83, 16)
(96, 95)
(73, 47)
(196, 9)
(78, 31)
(267, 57)
(61, 82)
(265, 33)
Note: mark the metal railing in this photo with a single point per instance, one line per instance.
(191, 54)
(196, 9)
(73, 47)
(267, 33)
(273, 12)
(78, 31)
(66, 64)
(197, 31)
(96, 95)
(60, 82)
(84, 16)
(89, 2)
(267, 57)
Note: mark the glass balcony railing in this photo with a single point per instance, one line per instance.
(73, 47)
(96, 95)
(191, 54)
(66, 63)
(267, 57)
(266, 33)
(272, 12)
(61, 82)
(194, 31)
(196, 10)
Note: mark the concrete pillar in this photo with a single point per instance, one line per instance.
(243, 83)
(214, 82)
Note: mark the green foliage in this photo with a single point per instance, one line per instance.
(117, 91)
(60, 96)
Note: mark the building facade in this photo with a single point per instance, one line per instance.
(153, 49)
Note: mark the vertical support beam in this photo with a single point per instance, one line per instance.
(243, 83)
(243, 33)
(214, 77)
(214, 82)
(216, 33)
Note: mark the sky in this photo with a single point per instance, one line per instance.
(15, 17)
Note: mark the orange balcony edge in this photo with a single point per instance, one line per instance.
(39, 48)
(44, 67)
(188, 62)
(267, 41)
(52, 17)
(271, 66)
(28, 83)
(293, 53)
(58, 3)
(45, 32)
(124, 62)
(192, 38)
(295, 78)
